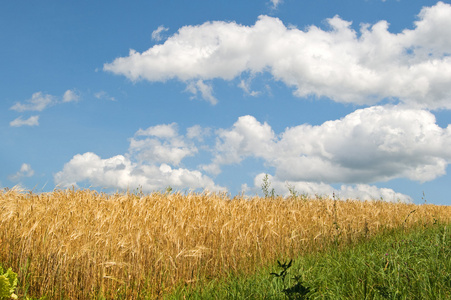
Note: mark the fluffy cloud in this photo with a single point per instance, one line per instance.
(197, 132)
(247, 137)
(161, 144)
(358, 191)
(31, 121)
(71, 96)
(147, 164)
(119, 172)
(368, 145)
(340, 63)
(38, 102)
(25, 171)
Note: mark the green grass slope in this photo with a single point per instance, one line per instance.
(394, 265)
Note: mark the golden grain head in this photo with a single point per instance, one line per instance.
(87, 242)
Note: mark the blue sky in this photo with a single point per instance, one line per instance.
(345, 97)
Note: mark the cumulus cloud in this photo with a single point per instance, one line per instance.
(358, 191)
(247, 137)
(38, 102)
(31, 121)
(151, 162)
(119, 172)
(369, 145)
(71, 96)
(162, 144)
(25, 171)
(340, 63)
(197, 132)
(156, 34)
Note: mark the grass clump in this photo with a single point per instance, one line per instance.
(397, 264)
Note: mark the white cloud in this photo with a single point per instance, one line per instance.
(371, 192)
(162, 144)
(160, 131)
(275, 3)
(150, 161)
(157, 151)
(31, 121)
(156, 34)
(25, 171)
(38, 102)
(206, 91)
(248, 137)
(358, 191)
(104, 95)
(363, 68)
(368, 145)
(119, 172)
(246, 87)
(197, 132)
(71, 96)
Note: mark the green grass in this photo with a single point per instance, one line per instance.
(397, 264)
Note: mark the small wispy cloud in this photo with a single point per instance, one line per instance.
(246, 87)
(31, 121)
(104, 95)
(38, 102)
(205, 90)
(25, 171)
(156, 34)
(275, 3)
(160, 131)
(71, 96)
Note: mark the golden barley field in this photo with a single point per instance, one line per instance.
(81, 244)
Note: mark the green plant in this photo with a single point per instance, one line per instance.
(296, 291)
(405, 221)
(293, 193)
(168, 189)
(8, 284)
(266, 187)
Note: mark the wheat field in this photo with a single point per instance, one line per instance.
(82, 244)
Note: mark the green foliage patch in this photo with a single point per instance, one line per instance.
(8, 284)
